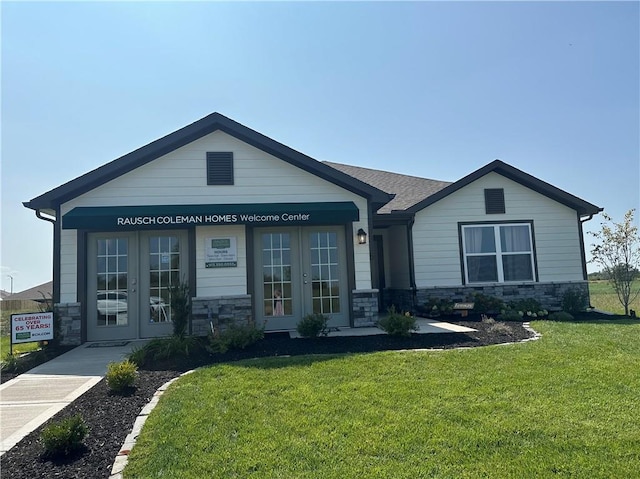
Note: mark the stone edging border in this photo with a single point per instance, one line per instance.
(123, 455)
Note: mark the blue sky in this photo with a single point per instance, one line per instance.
(430, 89)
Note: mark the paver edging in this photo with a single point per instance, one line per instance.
(122, 458)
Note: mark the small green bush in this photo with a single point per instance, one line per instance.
(121, 376)
(180, 308)
(397, 324)
(161, 349)
(526, 304)
(485, 304)
(236, 336)
(63, 437)
(9, 363)
(575, 301)
(436, 306)
(313, 325)
(509, 315)
(561, 316)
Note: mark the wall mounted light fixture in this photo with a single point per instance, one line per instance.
(362, 236)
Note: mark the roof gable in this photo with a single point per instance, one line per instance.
(584, 208)
(188, 134)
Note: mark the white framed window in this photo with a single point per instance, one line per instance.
(497, 253)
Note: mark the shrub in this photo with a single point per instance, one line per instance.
(397, 324)
(121, 376)
(510, 315)
(161, 349)
(236, 336)
(574, 301)
(484, 304)
(437, 306)
(561, 316)
(313, 325)
(9, 363)
(495, 327)
(180, 308)
(526, 304)
(63, 437)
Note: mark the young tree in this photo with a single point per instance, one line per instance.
(618, 253)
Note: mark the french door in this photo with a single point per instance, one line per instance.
(128, 280)
(300, 271)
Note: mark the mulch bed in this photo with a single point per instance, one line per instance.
(110, 417)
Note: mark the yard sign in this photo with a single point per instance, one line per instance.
(30, 327)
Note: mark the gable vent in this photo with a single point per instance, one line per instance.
(494, 201)
(219, 168)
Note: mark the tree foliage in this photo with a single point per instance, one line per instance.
(617, 252)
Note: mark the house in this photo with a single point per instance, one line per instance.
(257, 229)
(36, 298)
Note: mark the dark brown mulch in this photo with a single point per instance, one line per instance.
(109, 417)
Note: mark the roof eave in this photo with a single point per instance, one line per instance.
(213, 122)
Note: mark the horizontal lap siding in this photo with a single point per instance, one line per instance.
(436, 241)
(68, 266)
(180, 178)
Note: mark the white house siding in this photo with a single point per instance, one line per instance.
(436, 241)
(179, 178)
(68, 266)
(214, 282)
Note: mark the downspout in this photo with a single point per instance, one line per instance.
(582, 249)
(585, 275)
(56, 254)
(412, 272)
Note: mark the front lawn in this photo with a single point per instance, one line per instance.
(566, 406)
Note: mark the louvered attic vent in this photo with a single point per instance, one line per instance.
(219, 168)
(494, 201)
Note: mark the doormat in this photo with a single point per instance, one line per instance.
(110, 344)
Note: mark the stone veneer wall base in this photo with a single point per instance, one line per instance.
(365, 307)
(221, 311)
(548, 294)
(68, 317)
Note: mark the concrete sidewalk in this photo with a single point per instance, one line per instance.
(28, 400)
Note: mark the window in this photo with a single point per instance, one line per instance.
(497, 253)
(219, 168)
(494, 201)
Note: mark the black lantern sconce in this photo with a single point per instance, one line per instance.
(362, 236)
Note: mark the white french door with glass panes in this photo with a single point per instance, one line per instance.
(128, 279)
(300, 271)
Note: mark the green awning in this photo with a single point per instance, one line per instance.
(110, 218)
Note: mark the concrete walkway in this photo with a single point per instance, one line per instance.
(425, 326)
(28, 400)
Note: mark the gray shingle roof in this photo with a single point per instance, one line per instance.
(409, 190)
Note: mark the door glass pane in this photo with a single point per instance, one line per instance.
(164, 271)
(276, 274)
(325, 280)
(112, 281)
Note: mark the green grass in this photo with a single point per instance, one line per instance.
(5, 336)
(5, 346)
(563, 406)
(604, 297)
